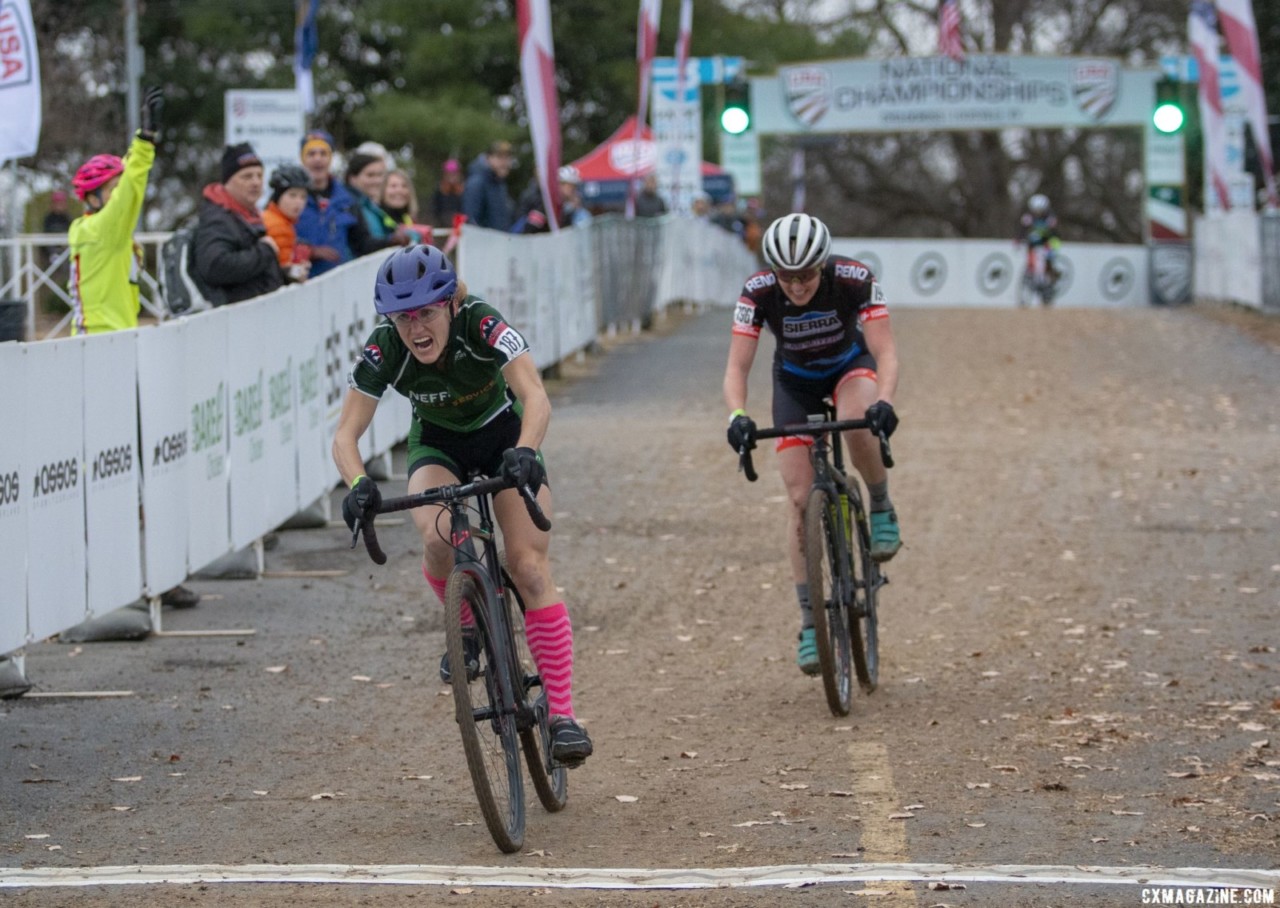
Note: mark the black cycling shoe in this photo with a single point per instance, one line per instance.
(570, 743)
(470, 646)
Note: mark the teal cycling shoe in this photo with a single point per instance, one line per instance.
(807, 651)
(885, 538)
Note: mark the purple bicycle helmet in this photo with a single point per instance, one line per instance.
(413, 277)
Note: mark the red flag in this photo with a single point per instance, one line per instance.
(949, 39)
(1203, 31)
(1241, 32)
(646, 50)
(538, 74)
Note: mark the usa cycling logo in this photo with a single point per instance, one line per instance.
(1095, 84)
(373, 355)
(808, 92)
(17, 66)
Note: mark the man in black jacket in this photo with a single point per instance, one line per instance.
(233, 254)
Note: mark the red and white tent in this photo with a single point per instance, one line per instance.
(605, 170)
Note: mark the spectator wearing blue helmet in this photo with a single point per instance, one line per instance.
(478, 406)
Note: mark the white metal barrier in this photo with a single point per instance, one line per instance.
(986, 273)
(220, 423)
(1229, 257)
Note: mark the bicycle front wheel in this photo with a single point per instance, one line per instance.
(864, 631)
(550, 782)
(486, 720)
(824, 553)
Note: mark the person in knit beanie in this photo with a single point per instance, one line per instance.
(289, 190)
(233, 254)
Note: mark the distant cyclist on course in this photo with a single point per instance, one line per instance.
(478, 405)
(831, 325)
(1039, 227)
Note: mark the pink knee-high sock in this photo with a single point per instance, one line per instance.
(438, 584)
(550, 636)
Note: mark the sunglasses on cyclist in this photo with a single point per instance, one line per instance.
(425, 313)
(797, 277)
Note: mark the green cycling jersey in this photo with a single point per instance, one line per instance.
(465, 389)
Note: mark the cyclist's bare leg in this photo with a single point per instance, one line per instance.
(797, 476)
(526, 547)
(853, 396)
(432, 521)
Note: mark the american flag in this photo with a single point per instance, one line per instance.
(1241, 32)
(949, 40)
(1203, 31)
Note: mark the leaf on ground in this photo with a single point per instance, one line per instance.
(942, 886)
(461, 890)
(1252, 726)
(323, 796)
(36, 835)
(796, 786)
(276, 669)
(1126, 813)
(975, 825)
(972, 785)
(902, 816)
(1004, 767)
(127, 779)
(688, 754)
(626, 799)
(122, 809)
(361, 678)
(415, 778)
(323, 699)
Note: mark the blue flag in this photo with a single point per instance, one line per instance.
(306, 40)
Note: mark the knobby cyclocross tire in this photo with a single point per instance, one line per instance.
(490, 738)
(551, 783)
(823, 554)
(865, 581)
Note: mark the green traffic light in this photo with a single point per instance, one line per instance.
(1168, 118)
(735, 120)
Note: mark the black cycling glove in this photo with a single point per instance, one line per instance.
(152, 106)
(520, 467)
(742, 433)
(882, 418)
(361, 502)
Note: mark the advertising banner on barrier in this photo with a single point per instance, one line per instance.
(113, 555)
(281, 436)
(165, 421)
(208, 405)
(247, 390)
(15, 496)
(342, 344)
(53, 464)
(982, 91)
(316, 472)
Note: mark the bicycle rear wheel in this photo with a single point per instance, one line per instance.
(824, 552)
(865, 582)
(490, 738)
(550, 782)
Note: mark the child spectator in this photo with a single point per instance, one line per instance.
(289, 190)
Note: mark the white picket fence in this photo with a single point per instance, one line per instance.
(220, 423)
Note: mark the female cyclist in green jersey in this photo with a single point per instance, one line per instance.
(479, 406)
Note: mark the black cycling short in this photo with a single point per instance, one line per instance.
(465, 454)
(796, 398)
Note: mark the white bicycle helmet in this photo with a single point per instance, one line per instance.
(1038, 204)
(796, 241)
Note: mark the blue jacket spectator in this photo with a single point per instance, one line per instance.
(485, 199)
(327, 223)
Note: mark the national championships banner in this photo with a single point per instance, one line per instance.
(991, 91)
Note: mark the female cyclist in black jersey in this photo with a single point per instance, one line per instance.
(831, 325)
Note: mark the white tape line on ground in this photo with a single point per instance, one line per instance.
(787, 875)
